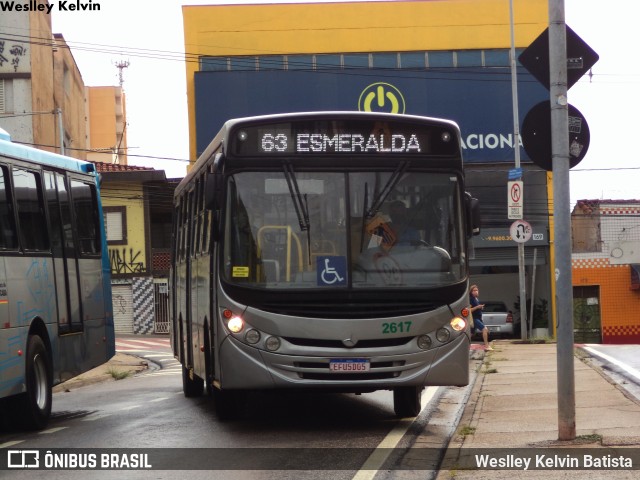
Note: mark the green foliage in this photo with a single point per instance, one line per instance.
(119, 374)
(540, 312)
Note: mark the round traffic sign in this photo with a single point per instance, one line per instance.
(536, 135)
(520, 231)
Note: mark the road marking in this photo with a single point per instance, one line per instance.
(371, 466)
(630, 370)
(53, 430)
(131, 407)
(95, 416)
(158, 399)
(11, 443)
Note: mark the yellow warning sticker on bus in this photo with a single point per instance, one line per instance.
(241, 272)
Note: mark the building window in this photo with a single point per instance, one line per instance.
(469, 58)
(115, 224)
(440, 59)
(496, 58)
(412, 60)
(213, 64)
(243, 63)
(327, 61)
(2, 103)
(387, 60)
(300, 62)
(390, 60)
(358, 60)
(272, 62)
(66, 80)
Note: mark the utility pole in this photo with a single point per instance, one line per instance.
(516, 149)
(562, 218)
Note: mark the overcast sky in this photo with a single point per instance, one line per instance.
(149, 35)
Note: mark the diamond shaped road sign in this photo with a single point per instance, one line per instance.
(580, 58)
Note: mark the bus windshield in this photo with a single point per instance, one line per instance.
(301, 229)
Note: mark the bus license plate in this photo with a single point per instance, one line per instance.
(349, 365)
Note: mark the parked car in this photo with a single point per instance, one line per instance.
(498, 319)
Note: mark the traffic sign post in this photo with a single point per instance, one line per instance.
(515, 199)
(561, 55)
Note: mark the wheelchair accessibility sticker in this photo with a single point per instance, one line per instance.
(331, 271)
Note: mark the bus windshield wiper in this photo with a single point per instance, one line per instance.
(299, 203)
(384, 193)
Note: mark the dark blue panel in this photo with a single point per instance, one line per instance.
(479, 100)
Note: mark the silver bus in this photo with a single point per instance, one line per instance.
(324, 251)
(55, 291)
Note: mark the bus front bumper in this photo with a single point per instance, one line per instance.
(245, 367)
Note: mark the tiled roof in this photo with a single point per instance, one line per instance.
(116, 167)
(607, 202)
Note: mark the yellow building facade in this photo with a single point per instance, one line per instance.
(245, 30)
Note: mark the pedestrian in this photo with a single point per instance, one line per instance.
(476, 312)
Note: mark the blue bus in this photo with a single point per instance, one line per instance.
(56, 317)
(325, 251)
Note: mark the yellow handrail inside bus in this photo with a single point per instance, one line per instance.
(290, 234)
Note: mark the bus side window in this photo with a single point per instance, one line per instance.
(86, 217)
(8, 235)
(30, 205)
(54, 213)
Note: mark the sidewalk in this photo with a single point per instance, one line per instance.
(120, 365)
(514, 405)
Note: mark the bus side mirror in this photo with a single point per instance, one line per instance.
(473, 215)
(212, 189)
(213, 201)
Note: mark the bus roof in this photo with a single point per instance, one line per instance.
(24, 152)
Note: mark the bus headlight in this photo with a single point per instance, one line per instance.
(424, 342)
(272, 344)
(443, 335)
(252, 336)
(235, 324)
(458, 324)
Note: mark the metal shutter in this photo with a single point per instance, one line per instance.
(122, 308)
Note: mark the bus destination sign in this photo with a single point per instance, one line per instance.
(340, 143)
(343, 137)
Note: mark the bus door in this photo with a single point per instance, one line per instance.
(64, 253)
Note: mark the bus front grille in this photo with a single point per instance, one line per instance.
(320, 371)
(373, 343)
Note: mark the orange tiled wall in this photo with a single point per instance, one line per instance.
(619, 305)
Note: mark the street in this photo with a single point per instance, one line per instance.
(149, 411)
(281, 435)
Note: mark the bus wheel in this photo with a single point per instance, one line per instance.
(35, 404)
(192, 387)
(406, 401)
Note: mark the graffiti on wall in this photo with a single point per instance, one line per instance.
(11, 55)
(125, 260)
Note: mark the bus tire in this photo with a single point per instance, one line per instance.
(406, 401)
(35, 403)
(192, 387)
